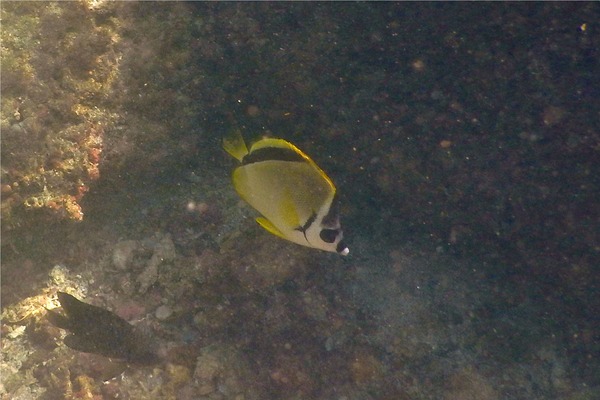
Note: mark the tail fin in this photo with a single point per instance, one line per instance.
(234, 144)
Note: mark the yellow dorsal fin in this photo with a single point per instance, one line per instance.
(269, 227)
(284, 144)
(234, 144)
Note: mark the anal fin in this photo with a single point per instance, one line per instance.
(269, 227)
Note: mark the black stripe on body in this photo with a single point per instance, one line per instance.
(307, 225)
(272, 154)
(332, 217)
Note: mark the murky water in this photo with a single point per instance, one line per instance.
(462, 140)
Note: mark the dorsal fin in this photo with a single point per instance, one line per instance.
(234, 144)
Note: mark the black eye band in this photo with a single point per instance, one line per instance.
(332, 217)
(329, 235)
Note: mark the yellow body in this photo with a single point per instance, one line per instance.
(283, 184)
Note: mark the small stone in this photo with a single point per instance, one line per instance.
(315, 305)
(207, 369)
(177, 376)
(59, 275)
(253, 111)
(148, 277)
(469, 384)
(365, 368)
(553, 115)
(164, 252)
(163, 312)
(6, 189)
(418, 65)
(445, 144)
(123, 253)
(16, 332)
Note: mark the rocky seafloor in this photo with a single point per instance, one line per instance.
(463, 139)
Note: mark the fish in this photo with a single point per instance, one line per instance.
(96, 330)
(296, 199)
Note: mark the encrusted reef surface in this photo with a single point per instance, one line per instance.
(463, 139)
(58, 70)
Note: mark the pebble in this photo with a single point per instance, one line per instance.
(123, 253)
(148, 277)
(365, 368)
(207, 369)
(164, 252)
(553, 115)
(163, 312)
(469, 384)
(253, 111)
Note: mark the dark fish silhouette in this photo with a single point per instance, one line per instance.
(99, 331)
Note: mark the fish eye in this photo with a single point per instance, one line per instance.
(329, 235)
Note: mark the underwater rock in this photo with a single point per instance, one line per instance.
(553, 115)
(223, 369)
(468, 384)
(316, 305)
(365, 368)
(206, 372)
(123, 253)
(163, 312)
(58, 62)
(149, 276)
(177, 375)
(292, 374)
(164, 252)
(259, 262)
